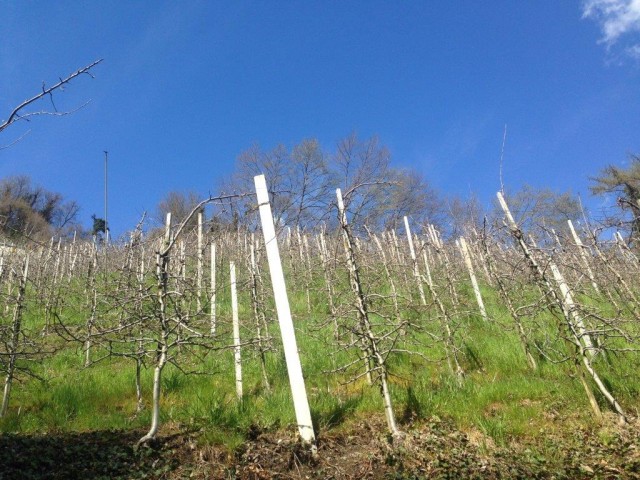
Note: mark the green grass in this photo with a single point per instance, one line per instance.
(500, 396)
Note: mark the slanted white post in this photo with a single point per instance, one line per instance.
(183, 261)
(396, 245)
(569, 304)
(416, 269)
(212, 304)
(583, 256)
(619, 242)
(474, 282)
(237, 357)
(434, 236)
(425, 259)
(200, 262)
(572, 318)
(294, 369)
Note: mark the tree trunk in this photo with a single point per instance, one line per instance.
(573, 322)
(373, 359)
(257, 314)
(162, 273)
(15, 338)
(199, 267)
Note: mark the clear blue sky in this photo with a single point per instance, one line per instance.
(186, 86)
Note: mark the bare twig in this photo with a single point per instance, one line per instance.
(15, 114)
(16, 140)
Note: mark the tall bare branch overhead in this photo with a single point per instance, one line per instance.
(16, 114)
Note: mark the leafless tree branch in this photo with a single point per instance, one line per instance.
(15, 114)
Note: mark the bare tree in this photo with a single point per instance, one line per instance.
(542, 210)
(375, 194)
(14, 341)
(625, 183)
(363, 172)
(33, 211)
(173, 312)
(274, 164)
(309, 174)
(577, 331)
(180, 205)
(411, 195)
(464, 216)
(362, 333)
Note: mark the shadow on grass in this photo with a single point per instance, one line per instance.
(472, 357)
(412, 409)
(95, 455)
(336, 415)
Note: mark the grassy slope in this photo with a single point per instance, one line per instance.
(500, 402)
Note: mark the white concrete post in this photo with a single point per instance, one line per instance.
(416, 269)
(583, 256)
(296, 380)
(567, 300)
(236, 330)
(474, 282)
(200, 263)
(212, 305)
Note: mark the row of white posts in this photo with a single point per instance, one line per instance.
(294, 368)
(292, 358)
(298, 389)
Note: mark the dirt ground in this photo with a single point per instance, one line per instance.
(432, 448)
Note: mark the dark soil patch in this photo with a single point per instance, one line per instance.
(431, 449)
(87, 455)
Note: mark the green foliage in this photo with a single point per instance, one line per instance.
(99, 225)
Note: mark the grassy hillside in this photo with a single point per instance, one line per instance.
(501, 405)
